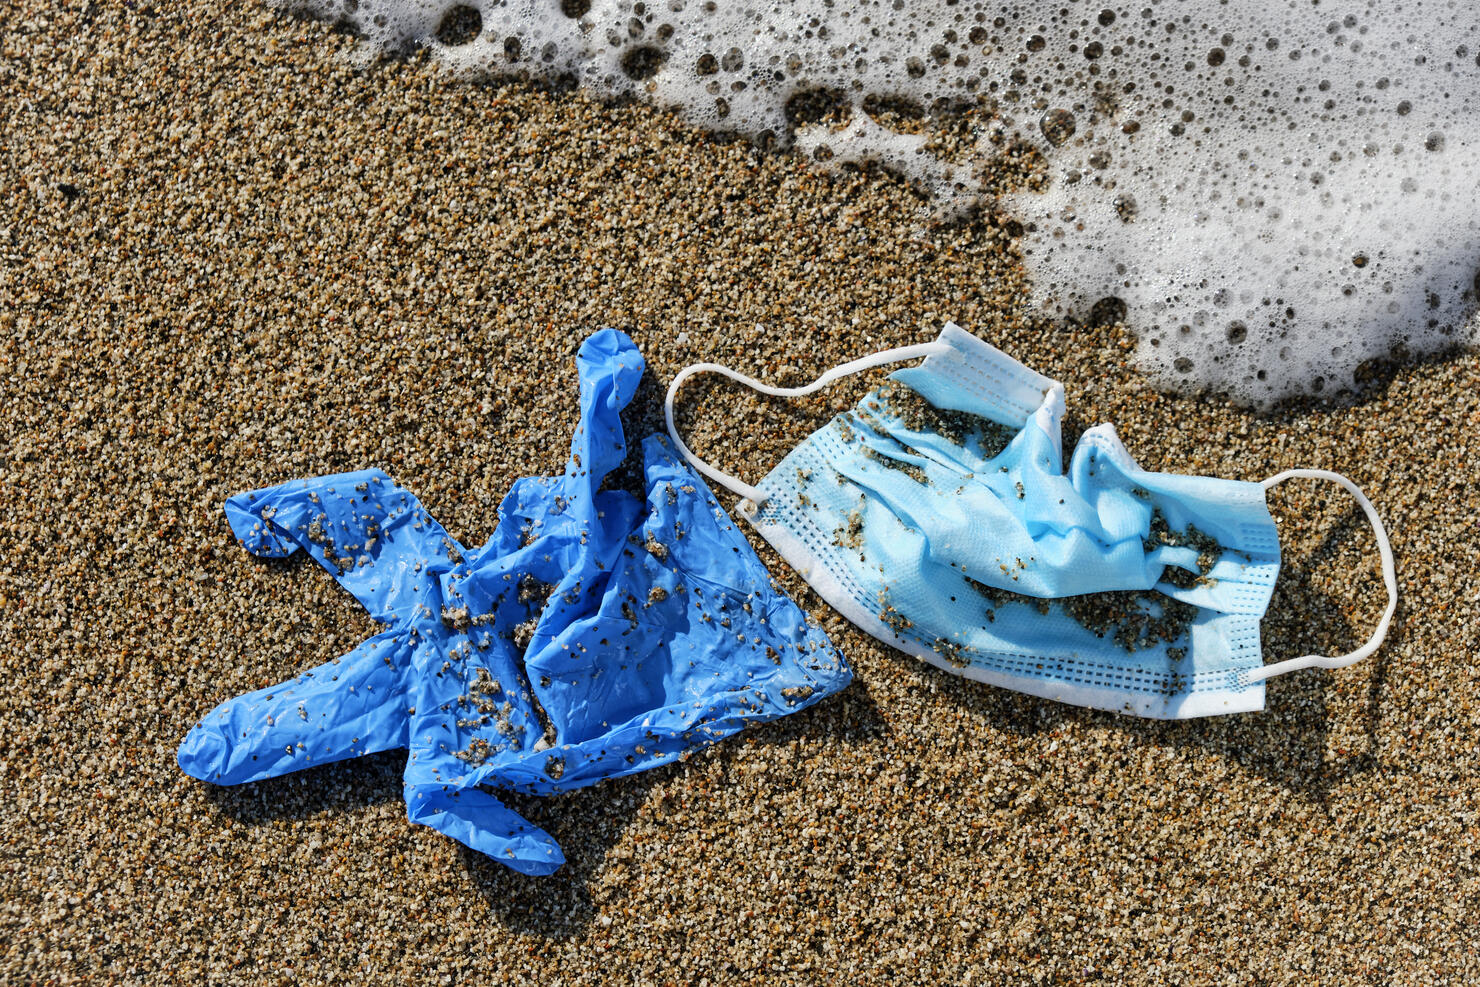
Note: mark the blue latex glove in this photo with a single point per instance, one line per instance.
(594, 635)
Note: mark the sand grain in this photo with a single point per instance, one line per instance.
(229, 258)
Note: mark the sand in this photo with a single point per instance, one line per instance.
(229, 257)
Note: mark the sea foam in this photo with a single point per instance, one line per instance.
(1271, 192)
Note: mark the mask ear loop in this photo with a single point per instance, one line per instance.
(753, 498)
(1389, 577)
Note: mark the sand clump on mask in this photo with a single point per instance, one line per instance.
(232, 258)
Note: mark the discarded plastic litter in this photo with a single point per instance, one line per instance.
(592, 636)
(936, 516)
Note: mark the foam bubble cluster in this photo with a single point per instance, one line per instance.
(1272, 192)
(1277, 191)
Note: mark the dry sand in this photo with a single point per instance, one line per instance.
(229, 258)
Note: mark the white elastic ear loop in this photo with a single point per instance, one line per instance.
(1389, 577)
(745, 490)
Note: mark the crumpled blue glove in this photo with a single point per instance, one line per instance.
(592, 636)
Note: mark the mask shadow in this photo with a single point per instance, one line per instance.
(1308, 738)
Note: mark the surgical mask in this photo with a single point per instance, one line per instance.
(938, 517)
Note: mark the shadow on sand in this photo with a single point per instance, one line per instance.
(586, 823)
(1286, 744)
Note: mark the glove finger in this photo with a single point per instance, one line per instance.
(353, 705)
(478, 820)
(610, 368)
(372, 535)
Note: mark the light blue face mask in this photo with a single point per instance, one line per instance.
(936, 515)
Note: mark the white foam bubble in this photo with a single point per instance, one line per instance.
(1278, 190)
(1285, 193)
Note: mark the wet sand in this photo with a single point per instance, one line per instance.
(229, 257)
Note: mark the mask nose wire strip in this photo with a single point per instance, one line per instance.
(1389, 577)
(734, 483)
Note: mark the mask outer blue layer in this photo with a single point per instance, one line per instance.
(937, 515)
(593, 636)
